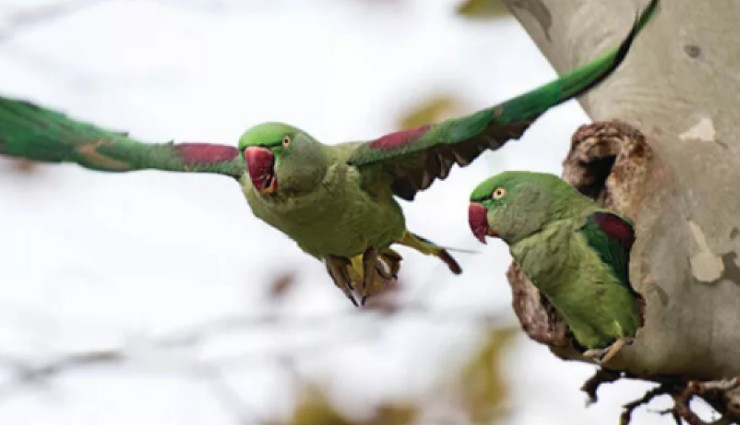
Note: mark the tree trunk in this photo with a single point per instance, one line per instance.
(680, 86)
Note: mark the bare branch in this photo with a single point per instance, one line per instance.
(626, 416)
(602, 376)
(713, 392)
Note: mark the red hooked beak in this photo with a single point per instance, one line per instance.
(479, 222)
(261, 166)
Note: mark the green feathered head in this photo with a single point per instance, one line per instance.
(282, 159)
(515, 204)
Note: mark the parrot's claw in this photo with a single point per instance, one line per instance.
(596, 355)
(348, 292)
(604, 355)
(337, 268)
(370, 273)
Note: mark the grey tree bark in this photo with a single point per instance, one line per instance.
(680, 86)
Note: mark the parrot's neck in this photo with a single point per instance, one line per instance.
(302, 173)
(568, 206)
(543, 255)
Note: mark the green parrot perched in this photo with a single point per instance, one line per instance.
(336, 201)
(573, 250)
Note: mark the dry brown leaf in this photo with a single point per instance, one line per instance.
(282, 284)
(483, 9)
(314, 409)
(485, 392)
(437, 108)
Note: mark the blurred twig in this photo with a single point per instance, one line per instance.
(230, 398)
(25, 373)
(33, 16)
(196, 334)
(241, 322)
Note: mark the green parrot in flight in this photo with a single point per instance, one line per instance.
(336, 201)
(572, 249)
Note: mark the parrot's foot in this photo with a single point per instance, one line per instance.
(603, 355)
(369, 266)
(338, 268)
(428, 247)
(364, 275)
(389, 264)
(378, 271)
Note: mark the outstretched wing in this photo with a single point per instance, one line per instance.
(413, 159)
(39, 134)
(611, 237)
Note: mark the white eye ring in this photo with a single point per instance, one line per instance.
(286, 141)
(498, 193)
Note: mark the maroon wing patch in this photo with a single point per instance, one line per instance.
(205, 153)
(616, 228)
(399, 138)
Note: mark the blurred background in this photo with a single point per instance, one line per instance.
(157, 298)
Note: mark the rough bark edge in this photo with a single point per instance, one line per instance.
(537, 316)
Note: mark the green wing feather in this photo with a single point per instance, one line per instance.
(611, 237)
(413, 159)
(39, 134)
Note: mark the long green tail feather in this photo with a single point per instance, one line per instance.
(39, 134)
(576, 82)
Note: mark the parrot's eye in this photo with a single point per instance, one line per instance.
(498, 193)
(286, 141)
